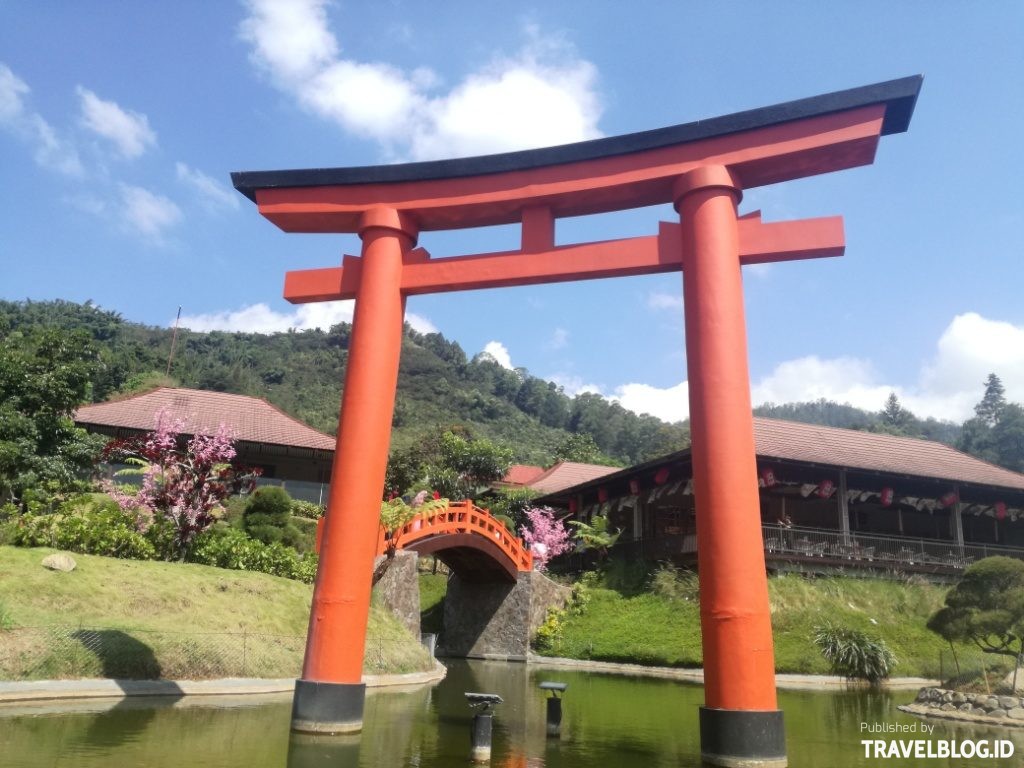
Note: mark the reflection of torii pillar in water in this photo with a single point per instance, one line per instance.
(702, 169)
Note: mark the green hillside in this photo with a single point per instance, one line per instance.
(132, 618)
(302, 373)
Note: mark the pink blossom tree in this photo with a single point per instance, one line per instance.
(545, 535)
(183, 483)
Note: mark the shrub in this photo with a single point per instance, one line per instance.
(266, 514)
(671, 583)
(507, 521)
(854, 654)
(306, 509)
(90, 525)
(226, 547)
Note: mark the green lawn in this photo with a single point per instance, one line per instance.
(165, 619)
(646, 628)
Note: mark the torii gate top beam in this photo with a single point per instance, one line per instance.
(762, 146)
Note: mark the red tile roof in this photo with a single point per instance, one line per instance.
(252, 419)
(521, 474)
(565, 474)
(882, 453)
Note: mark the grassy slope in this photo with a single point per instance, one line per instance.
(168, 605)
(649, 629)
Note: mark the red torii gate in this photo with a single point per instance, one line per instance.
(702, 169)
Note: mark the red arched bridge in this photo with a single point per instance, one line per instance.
(466, 538)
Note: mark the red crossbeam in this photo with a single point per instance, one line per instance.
(759, 243)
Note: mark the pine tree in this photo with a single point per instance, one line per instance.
(993, 402)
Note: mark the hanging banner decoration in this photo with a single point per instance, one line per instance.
(634, 487)
(949, 500)
(888, 495)
(1000, 508)
(661, 476)
(768, 477)
(807, 489)
(602, 495)
(825, 489)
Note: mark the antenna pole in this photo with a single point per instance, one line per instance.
(174, 341)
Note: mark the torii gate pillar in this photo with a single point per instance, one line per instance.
(329, 696)
(700, 167)
(740, 716)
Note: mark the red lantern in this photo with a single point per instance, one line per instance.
(949, 499)
(602, 495)
(1000, 508)
(634, 487)
(825, 489)
(661, 476)
(768, 477)
(572, 506)
(888, 495)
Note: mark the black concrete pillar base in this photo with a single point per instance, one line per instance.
(735, 738)
(328, 708)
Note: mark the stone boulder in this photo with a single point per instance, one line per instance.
(59, 562)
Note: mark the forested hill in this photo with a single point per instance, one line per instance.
(302, 373)
(439, 388)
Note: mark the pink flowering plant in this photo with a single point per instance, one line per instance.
(184, 484)
(545, 535)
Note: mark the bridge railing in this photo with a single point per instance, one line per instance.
(462, 517)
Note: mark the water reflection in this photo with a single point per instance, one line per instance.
(608, 722)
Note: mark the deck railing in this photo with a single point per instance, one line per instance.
(876, 549)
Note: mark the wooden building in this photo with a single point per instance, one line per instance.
(288, 452)
(830, 498)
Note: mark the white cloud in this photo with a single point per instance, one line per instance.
(843, 379)
(259, 318)
(543, 95)
(668, 404)
(972, 347)
(50, 151)
(948, 387)
(129, 131)
(212, 191)
(499, 353)
(670, 301)
(559, 339)
(574, 385)
(12, 91)
(148, 213)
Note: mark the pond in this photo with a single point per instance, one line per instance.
(609, 722)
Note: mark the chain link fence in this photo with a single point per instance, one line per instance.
(972, 670)
(61, 652)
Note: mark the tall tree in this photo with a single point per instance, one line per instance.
(895, 418)
(45, 374)
(992, 402)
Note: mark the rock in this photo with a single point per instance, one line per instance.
(979, 711)
(922, 695)
(1017, 713)
(59, 562)
(959, 698)
(997, 713)
(991, 703)
(947, 697)
(947, 707)
(1007, 702)
(966, 707)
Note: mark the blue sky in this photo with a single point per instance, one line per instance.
(120, 123)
